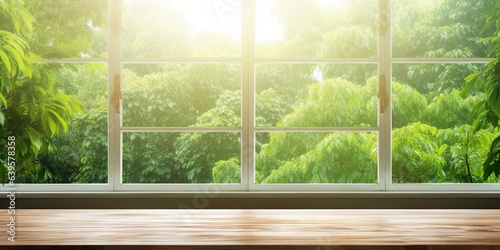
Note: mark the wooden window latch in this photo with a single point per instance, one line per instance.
(382, 94)
(117, 94)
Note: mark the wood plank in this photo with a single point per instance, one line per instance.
(233, 227)
(249, 247)
(459, 248)
(226, 248)
(185, 248)
(347, 248)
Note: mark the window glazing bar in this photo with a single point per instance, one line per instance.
(179, 60)
(384, 69)
(441, 60)
(318, 60)
(181, 129)
(317, 129)
(248, 94)
(114, 118)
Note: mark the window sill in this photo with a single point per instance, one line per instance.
(256, 200)
(265, 195)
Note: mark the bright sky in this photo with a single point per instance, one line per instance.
(224, 17)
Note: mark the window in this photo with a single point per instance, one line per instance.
(253, 95)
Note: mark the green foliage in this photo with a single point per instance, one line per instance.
(209, 81)
(288, 81)
(489, 80)
(409, 21)
(159, 99)
(333, 103)
(156, 100)
(408, 104)
(434, 140)
(442, 29)
(196, 153)
(63, 30)
(15, 17)
(92, 131)
(270, 108)
(283, 147)
(448, 28)
(227, 171)
(455, 110)
(460, 25)
(431, 80)
(466, 152)
(149, 158)
(352, 31)
(417, 157)
(33, 109)
(492, 163)
(338, 158)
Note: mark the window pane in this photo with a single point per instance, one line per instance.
(62, 130)
(316, 28)
(440, 29)
(194, 157)
(69, 29)
(322, 95)
(340, 157)
(182, 95)
(187, 28)
(433, 137)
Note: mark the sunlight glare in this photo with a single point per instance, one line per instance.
(204, 18)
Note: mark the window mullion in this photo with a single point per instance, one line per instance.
(384, 171)
(248, 94)
(115, 46)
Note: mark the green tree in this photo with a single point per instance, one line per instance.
(338, 158)
(63, 30)
(227, 171)
(197, 153)
(408, 105)
(332, 103)
(465, 154)
(32, 109)
(417, 157)
(450, 110)
(488, 80)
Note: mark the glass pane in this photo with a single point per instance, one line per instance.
(340, 157)
(61, 129)
(188, 28)
(322, 95)
(440, 29)
(433, 138)
(194, 157)
(316, 28)
(69, 29)
(182, 95)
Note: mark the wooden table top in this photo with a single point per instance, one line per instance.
(238, 227)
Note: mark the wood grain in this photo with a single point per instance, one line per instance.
(255, 227)
(250, 247)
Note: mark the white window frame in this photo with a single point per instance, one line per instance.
(248, 129)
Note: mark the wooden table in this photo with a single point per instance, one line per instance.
(220, 227)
